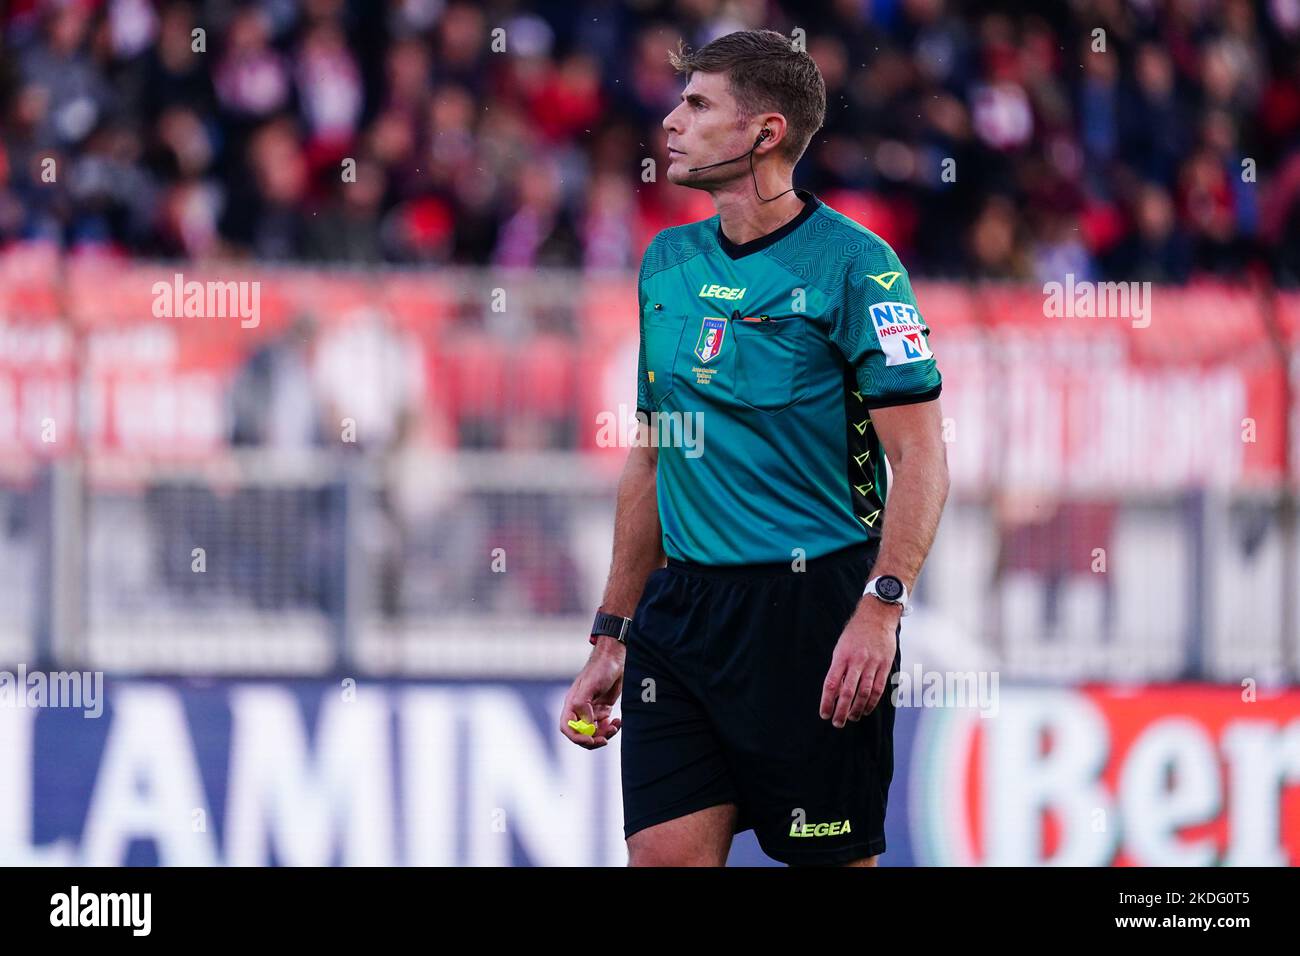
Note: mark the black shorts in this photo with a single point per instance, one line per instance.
(721, 696)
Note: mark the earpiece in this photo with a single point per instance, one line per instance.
(765, 134)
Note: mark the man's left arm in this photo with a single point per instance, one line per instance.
(911, 436)
(881, 334)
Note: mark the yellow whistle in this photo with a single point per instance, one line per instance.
(582, 727)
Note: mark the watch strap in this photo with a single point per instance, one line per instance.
(610, 625)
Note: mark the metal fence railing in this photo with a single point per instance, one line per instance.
(483, 562)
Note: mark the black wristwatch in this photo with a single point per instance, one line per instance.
(610, 625)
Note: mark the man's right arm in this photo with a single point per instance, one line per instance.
(638, 539)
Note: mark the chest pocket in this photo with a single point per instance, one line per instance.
(770, 362)
(663, 336)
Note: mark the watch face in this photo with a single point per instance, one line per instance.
(889, 587)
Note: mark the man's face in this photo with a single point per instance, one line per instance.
(703, 130)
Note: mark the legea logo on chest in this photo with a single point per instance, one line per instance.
(722, 292)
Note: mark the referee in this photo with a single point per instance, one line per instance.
(755, 663)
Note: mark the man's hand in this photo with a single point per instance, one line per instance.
(594, 693)
(862, 661)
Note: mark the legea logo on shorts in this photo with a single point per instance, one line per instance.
(820, 829)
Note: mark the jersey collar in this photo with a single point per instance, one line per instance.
(737, 250)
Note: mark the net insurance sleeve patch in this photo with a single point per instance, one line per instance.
(882, 334)
(900, 331)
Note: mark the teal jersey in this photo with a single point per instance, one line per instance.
(760, 364)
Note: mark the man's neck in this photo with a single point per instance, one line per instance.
(744, 217)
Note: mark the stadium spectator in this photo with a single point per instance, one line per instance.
(531, 153)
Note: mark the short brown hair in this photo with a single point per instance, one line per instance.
(765, 73)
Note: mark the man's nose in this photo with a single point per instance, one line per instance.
(670, 124)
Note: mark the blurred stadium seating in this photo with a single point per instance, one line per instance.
(476, 387)
(1120, 506)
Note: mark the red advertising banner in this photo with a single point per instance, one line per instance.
(1154, 776)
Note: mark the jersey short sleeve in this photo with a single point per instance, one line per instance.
(644, 403)
(880, 332)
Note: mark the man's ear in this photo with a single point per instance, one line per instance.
(776, 128)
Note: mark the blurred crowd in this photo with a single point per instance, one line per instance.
(1141, 139)
(1118, 139)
